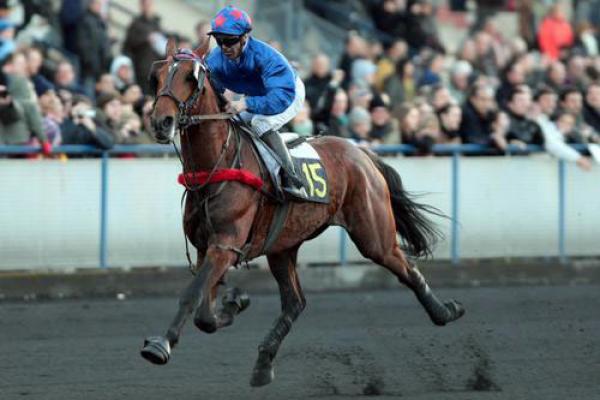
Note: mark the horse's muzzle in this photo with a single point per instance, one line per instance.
(164, 129)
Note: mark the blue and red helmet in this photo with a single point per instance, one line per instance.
(231, 21)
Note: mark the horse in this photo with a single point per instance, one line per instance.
(227, 220)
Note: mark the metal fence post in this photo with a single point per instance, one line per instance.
(104, 210)
(562, 180)
(343, 247)
(455, 248)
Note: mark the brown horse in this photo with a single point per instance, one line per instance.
(221, 219)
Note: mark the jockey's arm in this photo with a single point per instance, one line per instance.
(279, 82)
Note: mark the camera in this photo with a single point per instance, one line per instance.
(86, 114)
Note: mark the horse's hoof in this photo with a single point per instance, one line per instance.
(157, 350)
(206, 326)
(455, 309)
(237, 298)
(262, 376)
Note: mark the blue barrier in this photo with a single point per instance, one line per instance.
(443, 149)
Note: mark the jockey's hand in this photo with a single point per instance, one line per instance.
(229, 95)
(236, 107)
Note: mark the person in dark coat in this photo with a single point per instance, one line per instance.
(591, 106)
(319, 78)
(93, 45)
(522, 130)
(477, 111)
(81, 126)
(141, 34)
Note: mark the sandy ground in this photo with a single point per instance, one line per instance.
(513, 343)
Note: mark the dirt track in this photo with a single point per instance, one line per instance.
(514, 343)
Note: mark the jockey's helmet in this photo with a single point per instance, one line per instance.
(231, 21)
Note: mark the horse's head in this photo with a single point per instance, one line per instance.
(177, 82)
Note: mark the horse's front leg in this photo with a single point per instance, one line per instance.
(157, 349)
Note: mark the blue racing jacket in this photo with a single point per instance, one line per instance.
(261, 73)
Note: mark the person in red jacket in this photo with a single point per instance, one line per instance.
(555, 32)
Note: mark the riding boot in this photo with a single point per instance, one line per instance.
(290, 180)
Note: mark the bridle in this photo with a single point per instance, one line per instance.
(200, 72)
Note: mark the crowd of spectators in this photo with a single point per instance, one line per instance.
(65, 80)
(539, 88)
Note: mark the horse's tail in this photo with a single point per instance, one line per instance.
(418, 232)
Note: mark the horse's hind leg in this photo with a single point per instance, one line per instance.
(283, 267)
(373, 232)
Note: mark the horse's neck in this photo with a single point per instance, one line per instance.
(202, 146)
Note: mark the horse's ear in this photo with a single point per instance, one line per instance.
(203, 47)
(171, 47)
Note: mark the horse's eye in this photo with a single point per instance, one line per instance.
(190, 78)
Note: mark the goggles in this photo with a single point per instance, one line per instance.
(227, 41)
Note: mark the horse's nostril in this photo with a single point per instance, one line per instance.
(167, 122)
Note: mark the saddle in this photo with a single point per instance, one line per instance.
(306, 161)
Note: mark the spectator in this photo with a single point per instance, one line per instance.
(586, 41)
(360, 97)
(71, 12)
(555, 32)
(522, 131)
(363, 73)
(450, 116)
(122, 72)
(432, 73)
(576, 71)
(477, 114)
(468, 52)
(386, 66)
(105, 84)
(22, 118)
(93, 46)
(7, 38)
(408, 118)
(359, 122)
(144, 42)
(487, 60)
(459, 80)
(571, 101)
(329, 114)
(109, 113)
(512, 76)
(389, 17)
(557, 76)
(401, 86)
(440, 97)
(319, 79)
(64, 78)
(35, 60)
(554, 137)
(384, 128)
(131, 96)
(81, 128)
(301, 123)
(428, 134)
(201, 30)
(53, 112)
(420, 26)
(356, 47)
(591, 108)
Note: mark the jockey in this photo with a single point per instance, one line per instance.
(273, 92)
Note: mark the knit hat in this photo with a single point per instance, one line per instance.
(358, 115)
(362, 68)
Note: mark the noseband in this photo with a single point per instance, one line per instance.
(184, 119)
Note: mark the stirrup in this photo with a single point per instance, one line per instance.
(290, 186)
